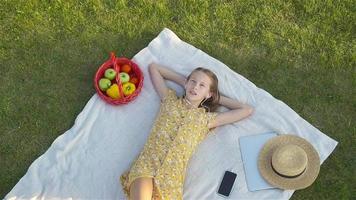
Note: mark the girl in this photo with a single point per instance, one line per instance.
(182, 123)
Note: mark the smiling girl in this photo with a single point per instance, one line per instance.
(182, 123)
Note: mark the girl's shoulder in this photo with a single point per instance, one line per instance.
(210, 116)
(171, 96)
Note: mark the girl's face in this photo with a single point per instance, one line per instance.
(198, 87)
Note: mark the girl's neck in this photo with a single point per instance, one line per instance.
(190, 104)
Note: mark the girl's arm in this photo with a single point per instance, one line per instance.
(231, 103)
(238, 112)
(158, 73)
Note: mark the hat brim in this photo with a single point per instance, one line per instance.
(302, 181)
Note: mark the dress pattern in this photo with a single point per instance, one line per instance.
(174, 136)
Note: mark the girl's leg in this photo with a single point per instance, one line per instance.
(141, 189)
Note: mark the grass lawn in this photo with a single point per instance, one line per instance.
(302, 52)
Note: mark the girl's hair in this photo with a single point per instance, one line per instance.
(212, 103)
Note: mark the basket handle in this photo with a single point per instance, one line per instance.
(112, 57)
(118, 79)
(117, 69)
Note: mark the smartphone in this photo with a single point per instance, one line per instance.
(227, 183)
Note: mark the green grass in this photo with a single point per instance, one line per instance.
(302, 52)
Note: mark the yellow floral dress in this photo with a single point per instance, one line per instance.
(174, 136)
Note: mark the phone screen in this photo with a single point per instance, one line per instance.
(227, 183)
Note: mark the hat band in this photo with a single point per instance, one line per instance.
(285, 176)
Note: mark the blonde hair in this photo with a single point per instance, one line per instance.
(212, 103)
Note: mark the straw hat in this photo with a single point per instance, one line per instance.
(289, 162)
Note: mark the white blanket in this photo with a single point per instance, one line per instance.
(87, 160)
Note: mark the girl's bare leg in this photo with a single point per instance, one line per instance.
(141, 189)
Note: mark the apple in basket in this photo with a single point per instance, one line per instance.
(124, 77)
(128, 88)
(134, 80)
(110, 73)
(104, 84)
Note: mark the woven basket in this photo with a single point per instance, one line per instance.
(116, 64)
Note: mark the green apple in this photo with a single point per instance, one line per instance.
(124, 77)
(110, 73)
(104, 84)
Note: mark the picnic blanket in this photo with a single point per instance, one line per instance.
(86, 161)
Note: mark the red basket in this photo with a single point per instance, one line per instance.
(116, 64)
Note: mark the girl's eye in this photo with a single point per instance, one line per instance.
(202, 85)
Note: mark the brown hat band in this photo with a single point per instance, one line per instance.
(285, 176)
